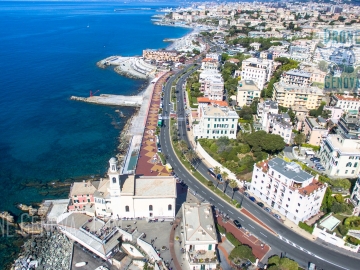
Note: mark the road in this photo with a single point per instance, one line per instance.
(286, 240)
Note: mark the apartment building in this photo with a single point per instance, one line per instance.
(334, 112)
(288, 95)
(210, 64)
(246, 92)
(355, 197)
(317, 75)
(81, 194)
(268, 106)
(349, 125)
(216, 121)
(315, 130)
(161, 55)
(213, 86)
(199, 236)
(258, 70)
(346, 102)
(288, 189)
(340, 155)
(296, 77)
(278, 124)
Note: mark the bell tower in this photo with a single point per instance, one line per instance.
(114, 177)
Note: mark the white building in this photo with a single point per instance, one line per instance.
(212, 86)
(246, 92)
(257, 69)
(287, 189)
(296, 77)
(346, 102)
(130, 196)
(210, 63)
(355, 197)
(334, 112)
(200, 237)
(268, 106)
(340, 155)
(216, 121)
(278, 124)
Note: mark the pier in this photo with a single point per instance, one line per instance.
(112, 100)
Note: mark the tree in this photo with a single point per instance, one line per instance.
(225, 176)
(339, 198)
(299, 139)
(217, 171)
(233, 184)
(323, 66)
(254, 105)
(182, 146)
(246, 113)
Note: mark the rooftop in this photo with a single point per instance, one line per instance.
(329, 223)
(199, 223)
(82, 188)
(155, 186)
(209, 101)
(281, 86)
(346, 98)
(247, 85)
(290, 170)
(298, 72)
(217, 111)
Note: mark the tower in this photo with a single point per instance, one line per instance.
(114, 188)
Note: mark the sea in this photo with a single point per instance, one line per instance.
(48, 53)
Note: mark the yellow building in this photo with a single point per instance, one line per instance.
(287, 95)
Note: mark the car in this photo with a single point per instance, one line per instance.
(314, 158)
(277, 216)
(252, 199)
(260, 204)
(237, 224)
(321, 169)
(267, 209)
(159, 149)
(188, 129)
(305, 163)
(312, 266)
(316, 161)
(246, 194)
(169, 103)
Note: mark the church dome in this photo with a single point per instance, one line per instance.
(112, 160)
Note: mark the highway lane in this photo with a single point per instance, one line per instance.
(288, 241)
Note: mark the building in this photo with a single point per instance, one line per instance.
(268, 106)
(288, 189)
(278, 124)
(296, 77)
(246, 92)
(289, 95)
(334, 112)
(317, 75)
(340, 155)
(216, 121)
(315, 130)
(200, 237)
(161, 55)
(126, 196)
(210, 63)
(349, 125)
(346, 102)
(299, 110)
(258, 70)
(212, 85)
(355, 197)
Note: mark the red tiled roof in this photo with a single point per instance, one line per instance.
(208, 60)
(346, 98)
(207, 100)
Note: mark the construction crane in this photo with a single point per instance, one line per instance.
(91, 93)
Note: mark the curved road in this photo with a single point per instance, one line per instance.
(287, 241)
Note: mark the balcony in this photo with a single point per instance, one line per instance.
(202, 256)
(268, 187)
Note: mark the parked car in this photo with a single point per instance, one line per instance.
(260, 204)
(267, 209)
(277, 216)
(237, 224)
(252, 199)
(312, 266)
(316, 161)
(246, 194)
(305, 163)
(314, 158)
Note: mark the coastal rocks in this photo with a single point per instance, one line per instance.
(7, 216)
(31, 227)
(52, 251)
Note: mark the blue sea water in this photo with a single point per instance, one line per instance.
(48, 52)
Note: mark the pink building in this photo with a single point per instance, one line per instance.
(315, 130)
(335, 112)
(81, 194)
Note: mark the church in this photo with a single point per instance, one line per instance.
(125, 196)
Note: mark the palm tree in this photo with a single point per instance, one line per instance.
(217, 171)
(233, 184)
(183, 146)
(225, 176)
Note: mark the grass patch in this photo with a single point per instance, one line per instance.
(306, 227)
(163, 160)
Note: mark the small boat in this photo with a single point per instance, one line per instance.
(80, 264)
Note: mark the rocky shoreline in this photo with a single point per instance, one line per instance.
(49, 251)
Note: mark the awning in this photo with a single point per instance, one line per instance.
(309, 152)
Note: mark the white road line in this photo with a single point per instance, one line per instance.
(211, 198)
(240, 218)
(221, 205)
(230, 212)
(196, 186)
(203, 192)
(263, 234)
(251, 226)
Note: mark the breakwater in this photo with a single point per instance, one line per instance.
(112, 100)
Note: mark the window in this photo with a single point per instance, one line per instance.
(353, 171)
(297, 211)
(298, 204)
(348, 164)
(127, 208)
(355, 164)
(169, 207)
(287, 205)
(289, 199)
(150, 207)
(88, 200)
(114, 180)
(346, 171)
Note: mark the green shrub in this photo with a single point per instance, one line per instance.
(306, 227)
(232, 239)
(242, 252)
(220, 229)
(314, 147)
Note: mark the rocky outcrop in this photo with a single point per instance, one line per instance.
(31, 227)
(7, 216)
(45, 252)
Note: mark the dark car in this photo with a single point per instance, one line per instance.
(314, 158)
(277, 216)
(252, 199)
(246, 194)
(237, 224)
(267, 209)
(260, 204)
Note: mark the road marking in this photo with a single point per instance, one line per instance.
(230, 212)
(221, 205)
(263, 234)
(240, 218)
(251, 226)
(196, 186)
(203, 192)
(211, 198)
(256, 211)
